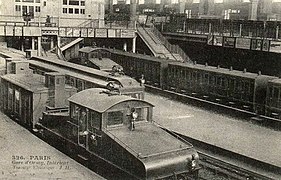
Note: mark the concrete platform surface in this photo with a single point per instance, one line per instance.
(25, 157)
(229, 133)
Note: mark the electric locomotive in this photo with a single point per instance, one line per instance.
(118, 132)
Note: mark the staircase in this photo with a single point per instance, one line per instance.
(69, 44)
(160, 46)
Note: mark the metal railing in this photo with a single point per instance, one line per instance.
(152, 38)
(172, 48)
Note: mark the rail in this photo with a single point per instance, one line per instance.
(172, 48)
(229, 168)
(221, 158)
(171, 132)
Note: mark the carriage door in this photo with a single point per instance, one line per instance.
(83, 128)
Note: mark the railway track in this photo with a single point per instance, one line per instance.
(215, 168)
(220, 108)
(218, 163)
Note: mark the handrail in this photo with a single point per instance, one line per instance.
(147, 33)
(158, 53)
(149, 36)
(60, 54)
(172, 48)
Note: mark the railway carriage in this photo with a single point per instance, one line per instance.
(98, 58)
(24, 96)
(83, 77)
(98, 129)
(229, 87)
(273, 99)
(238, 90)
(136, 65)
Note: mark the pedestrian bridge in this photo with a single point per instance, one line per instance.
(92, 28)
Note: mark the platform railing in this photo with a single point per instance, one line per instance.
(152, 39)
(172, 48)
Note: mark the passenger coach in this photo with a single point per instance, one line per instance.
(136, 65)
(273, 99)
(238, 89)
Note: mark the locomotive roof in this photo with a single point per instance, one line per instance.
(68, 72)
(33, 82)
(87, 70)
(103, 63)
(87, 49)
(221, 70)
(100, 100)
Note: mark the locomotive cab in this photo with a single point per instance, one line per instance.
(120, 129)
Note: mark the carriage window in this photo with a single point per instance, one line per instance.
(115, 118)
(247, 87)
(237, 85)
(223, 83)
(74, 113)
(231, 84)
(199, 77)
(206, 78)
(94, 120)
(83, 120)
(17, 101)
(67, 80)
(218, 81)
(275, 93)
(142, 114)
(269, 91)
(10, 98)
(194, 74)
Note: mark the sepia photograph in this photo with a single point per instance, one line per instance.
(140, 89)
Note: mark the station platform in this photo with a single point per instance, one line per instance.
(229, 133)
(24, 156)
